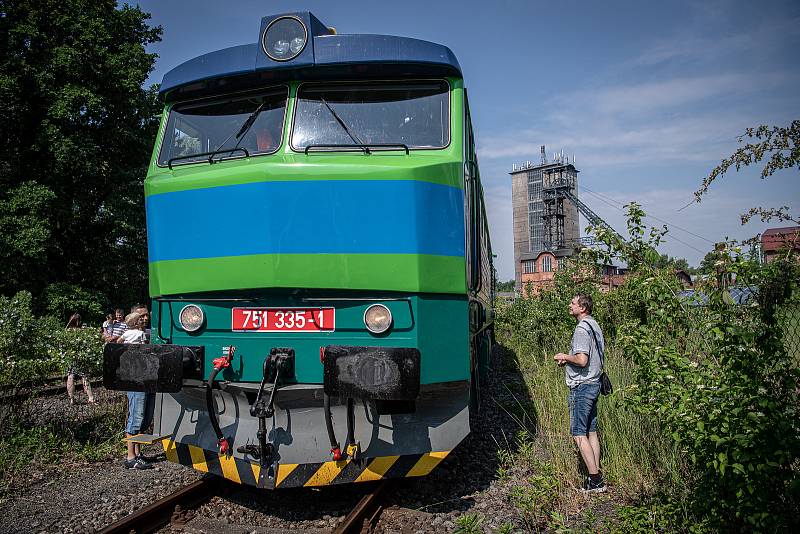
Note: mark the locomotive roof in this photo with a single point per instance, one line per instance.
(325, 56)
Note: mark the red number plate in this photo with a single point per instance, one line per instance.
(283, 320)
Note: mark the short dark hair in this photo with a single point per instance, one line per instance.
(585, 301)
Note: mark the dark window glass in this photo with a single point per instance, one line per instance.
(199, 127)
(415, 114)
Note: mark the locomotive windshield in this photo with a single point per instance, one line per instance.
(210, 126)
(415, 114)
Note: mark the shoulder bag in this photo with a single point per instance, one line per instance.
(606, 387)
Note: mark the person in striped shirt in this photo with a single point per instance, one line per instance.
(115, 330)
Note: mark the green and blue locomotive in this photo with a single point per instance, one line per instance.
(319, 260)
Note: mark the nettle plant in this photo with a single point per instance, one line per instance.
(718, 377)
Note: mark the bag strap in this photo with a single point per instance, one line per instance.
(596, 344)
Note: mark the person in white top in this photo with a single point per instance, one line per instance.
(135, 332)
(140, 404)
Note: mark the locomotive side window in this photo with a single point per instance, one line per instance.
(253, 122)
(415, 114)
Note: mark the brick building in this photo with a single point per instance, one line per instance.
(776, 240)
(540, 271)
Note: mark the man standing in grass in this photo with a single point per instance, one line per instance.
(583, 366)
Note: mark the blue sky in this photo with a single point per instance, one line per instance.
(648, 96)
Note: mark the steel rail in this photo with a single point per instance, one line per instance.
(365, 513)
(9, 394)
(160, 513)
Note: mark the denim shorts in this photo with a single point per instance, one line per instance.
(582, 401)
(140, 411)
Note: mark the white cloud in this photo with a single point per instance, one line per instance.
(693, 45)
(645, 123)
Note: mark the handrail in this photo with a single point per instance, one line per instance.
(210, 155)
(363, 147)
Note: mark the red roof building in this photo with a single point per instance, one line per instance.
(775, 241)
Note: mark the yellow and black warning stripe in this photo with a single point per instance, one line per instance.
(297, 475)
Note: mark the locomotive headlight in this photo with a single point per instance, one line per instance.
(191, 318)
(378, 318)
(284, 38)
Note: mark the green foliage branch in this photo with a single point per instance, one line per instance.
(780, 145)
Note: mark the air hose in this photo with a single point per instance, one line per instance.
(224, 362)
(336, 451)
(351, 423)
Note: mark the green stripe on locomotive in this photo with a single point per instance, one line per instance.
(414, 273)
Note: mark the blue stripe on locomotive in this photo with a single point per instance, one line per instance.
(295, 217)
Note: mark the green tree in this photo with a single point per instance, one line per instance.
(505, 286)
(665, 260)
(76, 138)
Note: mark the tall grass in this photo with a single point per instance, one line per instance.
(637, 459)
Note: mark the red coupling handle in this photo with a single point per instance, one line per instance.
(224, 362)
(336, 454)
(221, 363)
(224, 445)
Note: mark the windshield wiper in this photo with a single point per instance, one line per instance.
(246, 125)
(210, 155)
(336, 116)
(365, 148)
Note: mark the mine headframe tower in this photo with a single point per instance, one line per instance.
(557, 187)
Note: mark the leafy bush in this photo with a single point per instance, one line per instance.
(717, 379)
(720, 381)
(32, 348)
(81, 348)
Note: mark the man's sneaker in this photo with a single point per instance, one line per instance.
(136, 463)
(144, 459)
(592, 486)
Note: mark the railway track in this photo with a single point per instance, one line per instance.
(176, 509)
(364, 516)
(171, 509)
(46, 388)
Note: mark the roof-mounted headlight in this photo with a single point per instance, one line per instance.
(284, 38)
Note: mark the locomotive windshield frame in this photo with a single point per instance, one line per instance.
(350, 112)
(221, 121)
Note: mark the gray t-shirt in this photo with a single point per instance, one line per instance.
(583, 341)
